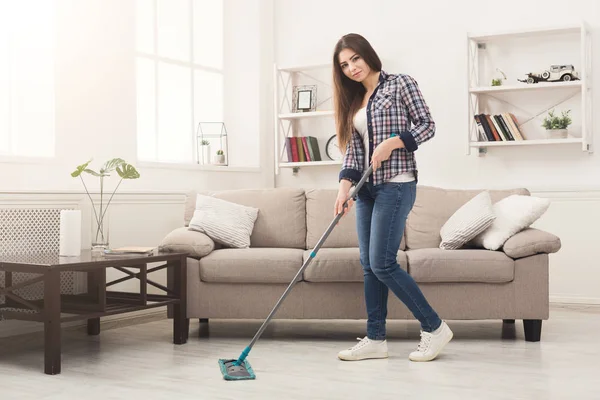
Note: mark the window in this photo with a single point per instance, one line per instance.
(179, 75)
(27, 78)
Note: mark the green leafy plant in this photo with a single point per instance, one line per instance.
(219, 152)
(498, 81)
(205, 142)
(552, 121)
(123, 169)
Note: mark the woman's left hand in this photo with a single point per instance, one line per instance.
(381, 153)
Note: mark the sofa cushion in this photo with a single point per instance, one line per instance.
(281, 220)
(472, 265)
(513, 214)
(225, 222)
(319, 214)
(468, 221)
(339, 265)
(197, 244)
(252, 265)
(434, 206)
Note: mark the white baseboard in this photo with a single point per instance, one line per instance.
(574, 300)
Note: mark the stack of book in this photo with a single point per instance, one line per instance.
(496, 128)
(130, 251)
(302, 148)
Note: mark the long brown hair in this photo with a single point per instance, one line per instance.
(348, 94)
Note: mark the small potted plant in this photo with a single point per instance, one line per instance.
(219, 158)
(556, 127)
(497, 81)
(205, 151)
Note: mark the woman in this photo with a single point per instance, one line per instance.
(374, 111)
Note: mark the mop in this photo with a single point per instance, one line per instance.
(240, 368)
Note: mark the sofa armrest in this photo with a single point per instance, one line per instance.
(197, 244)
(531, 241)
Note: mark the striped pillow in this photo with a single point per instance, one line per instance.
(224, 222)
(470, 220)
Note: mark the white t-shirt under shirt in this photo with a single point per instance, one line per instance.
(360, 123)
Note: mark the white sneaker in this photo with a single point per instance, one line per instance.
(364, 349)
(432, 343)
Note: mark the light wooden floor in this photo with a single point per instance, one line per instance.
(297, 360)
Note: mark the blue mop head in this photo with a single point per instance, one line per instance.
(236, 370)
(233, 372)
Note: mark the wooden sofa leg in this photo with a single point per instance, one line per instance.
(533, 329)
(203, 331)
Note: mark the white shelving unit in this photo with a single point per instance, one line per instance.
(319, 123)
(517, 53)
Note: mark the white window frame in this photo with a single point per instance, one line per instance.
(193, 67)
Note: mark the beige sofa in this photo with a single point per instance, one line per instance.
(464, 284)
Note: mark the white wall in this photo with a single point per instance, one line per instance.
(428, 41)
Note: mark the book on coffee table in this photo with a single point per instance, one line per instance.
(130, 250)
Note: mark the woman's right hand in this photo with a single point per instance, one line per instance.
(343, 194)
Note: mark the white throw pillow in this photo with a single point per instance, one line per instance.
(513, 214)
(224, 222)
(468, 221)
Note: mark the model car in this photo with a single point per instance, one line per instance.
(554, 74)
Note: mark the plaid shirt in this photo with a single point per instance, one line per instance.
(395, 104)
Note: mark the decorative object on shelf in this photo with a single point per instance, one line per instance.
(498, 81)
(304, 98)
(332, 150)
(556, 73)
(556, 127)
(205, 151)
(100, 238)
(219, 159)
(212, 130)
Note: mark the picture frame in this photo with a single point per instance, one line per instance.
(304, 98)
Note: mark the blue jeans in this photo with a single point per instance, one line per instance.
(381, 213)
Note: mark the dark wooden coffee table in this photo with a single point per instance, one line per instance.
(97, 302)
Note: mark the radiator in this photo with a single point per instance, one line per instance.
(35, 231)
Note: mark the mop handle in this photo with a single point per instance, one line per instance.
(306, 264)
(359, 185)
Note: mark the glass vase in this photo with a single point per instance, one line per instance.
(100, 232)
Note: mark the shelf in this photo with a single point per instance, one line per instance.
(309, 163)
(527, 102)
(526, 86)
(294, 125)
(519, 33)
(310, 114)
(527, 142)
